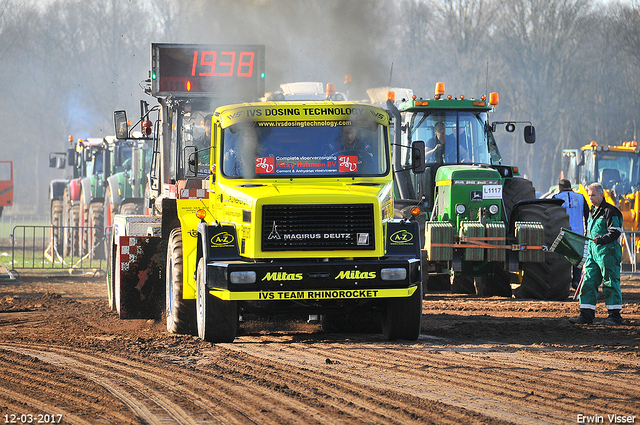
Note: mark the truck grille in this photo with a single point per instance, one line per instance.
(318, 227)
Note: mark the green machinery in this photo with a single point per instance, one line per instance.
(483, 230)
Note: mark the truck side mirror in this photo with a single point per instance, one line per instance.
(60, 162)
(71, 157)
(418, 164)
(121, 125)
(53, 160)
(530, 134)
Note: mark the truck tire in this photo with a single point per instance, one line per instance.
(56, 225)
(217, 319)
(515, 190)
(403, 316)
(551, 279)
(83, 223)
(180, 313)
(95, 243)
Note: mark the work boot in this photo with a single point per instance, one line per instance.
(614, 318)
(585, 318)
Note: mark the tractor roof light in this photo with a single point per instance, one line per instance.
(439, 90)
(415, 211)
(493, 98)
(331, 89)
(391, 95)
(201, 214)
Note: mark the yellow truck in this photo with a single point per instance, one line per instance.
(293, 214)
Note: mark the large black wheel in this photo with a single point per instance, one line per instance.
(83, 223)
(111, 287)
(362, 322)
(56, 225)
(72, 237)
(463, 285)
(96, 231)
(180, 313)
(516, 190)
(498, 284)
(550, 280)
(403, 316)
(217, 319)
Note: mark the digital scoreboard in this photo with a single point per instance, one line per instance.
(197, 70)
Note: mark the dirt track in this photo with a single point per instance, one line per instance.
(478, 360)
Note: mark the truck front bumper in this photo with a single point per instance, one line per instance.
(286, 281)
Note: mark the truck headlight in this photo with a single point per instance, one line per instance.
(242, 277)
(393, 274)
(493, 209)
(460, 208)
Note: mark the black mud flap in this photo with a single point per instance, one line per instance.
(403, 238)
(139, 290)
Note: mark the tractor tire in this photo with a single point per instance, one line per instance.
(111, 249)
(83, 223)
(514, 191)
(217, 319)
(498, 285)
(72, 238)
(130, 209)
(56, 225)
(403, 317)
(551, 279)
(439, 283)
(95, 244)
(180, 313)
(463, 285)
(110, 209)
(362, 322)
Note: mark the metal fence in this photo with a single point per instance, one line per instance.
(66, 248)
(630, 241)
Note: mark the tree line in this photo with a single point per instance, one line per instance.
(571, 67)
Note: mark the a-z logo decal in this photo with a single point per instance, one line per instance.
(222, 239)
(401, 237)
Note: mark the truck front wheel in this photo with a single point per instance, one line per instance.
(217, 319)
(403, 316)
(180, 313)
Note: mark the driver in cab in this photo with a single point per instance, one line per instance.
(349, 142)
(442, 148)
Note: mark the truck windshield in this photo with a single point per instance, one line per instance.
(619, 170)
(452, 137)
(251, 151)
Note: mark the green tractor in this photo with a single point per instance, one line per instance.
(484, 230)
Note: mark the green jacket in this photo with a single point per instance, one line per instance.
(604, 228)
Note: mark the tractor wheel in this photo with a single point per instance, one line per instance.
(83, 223)
(96, 231)
(217, 319)
(56, 225)
(497, 285)
(130, 208)
(516, 190)
(110, 209)
(180, 313)
(439, 282)
(72, 239)
(551, 279)
(111, 250)
(463, 285)
(362, 322)
(403, 316)
(66, 220)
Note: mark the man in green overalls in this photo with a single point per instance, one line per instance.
(603, 261)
